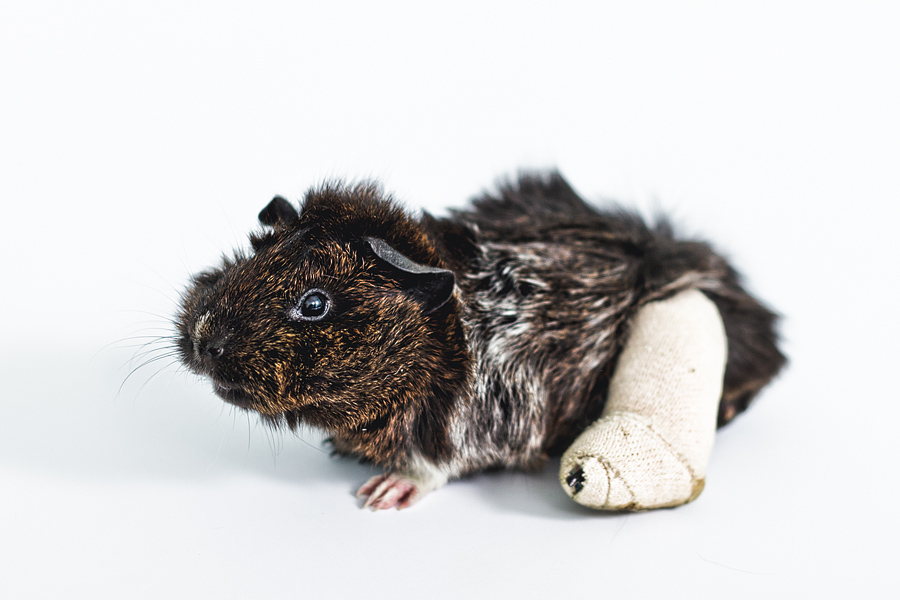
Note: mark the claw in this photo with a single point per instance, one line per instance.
(575, 480)
(388, 491)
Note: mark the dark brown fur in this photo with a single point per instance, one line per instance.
(512, 366)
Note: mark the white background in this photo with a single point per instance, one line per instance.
(138, 141)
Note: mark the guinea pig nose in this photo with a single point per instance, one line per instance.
(213, 349)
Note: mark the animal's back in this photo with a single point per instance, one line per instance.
(549, 287)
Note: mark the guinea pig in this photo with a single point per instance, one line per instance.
(441, 347)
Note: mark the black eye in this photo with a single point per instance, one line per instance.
(313, 306)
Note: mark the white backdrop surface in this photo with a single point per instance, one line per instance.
(138, 141)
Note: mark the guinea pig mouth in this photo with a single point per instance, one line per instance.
(232, 394)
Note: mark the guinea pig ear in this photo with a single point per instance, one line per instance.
(277, 212)
(429, 285)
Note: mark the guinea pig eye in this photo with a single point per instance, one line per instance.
(313, 306)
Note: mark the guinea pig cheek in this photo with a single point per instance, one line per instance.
(287, 381)
(251, 376)
(271, 396)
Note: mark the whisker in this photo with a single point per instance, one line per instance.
(159, 291)
(152, 339)
(168, 330)
(138, 368)
(161, 316)
(118, 342)
(310, 444)
(249, 430)
(158, 371)
(170, 354)
(148, 347)
(175, 288)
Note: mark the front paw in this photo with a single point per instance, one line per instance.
(389, 491)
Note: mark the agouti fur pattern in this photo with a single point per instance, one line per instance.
(485, 339)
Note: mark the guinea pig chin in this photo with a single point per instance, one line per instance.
(233, 394)
(243, 398)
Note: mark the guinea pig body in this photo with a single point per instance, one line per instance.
(441, 347)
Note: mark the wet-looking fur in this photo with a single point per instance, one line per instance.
(484, 339)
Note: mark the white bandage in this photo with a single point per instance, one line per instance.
(651, 447)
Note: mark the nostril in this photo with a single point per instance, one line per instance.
(211, 348)
(215, 351)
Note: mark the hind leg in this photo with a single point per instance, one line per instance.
(651, 446)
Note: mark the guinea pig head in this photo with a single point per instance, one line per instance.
(342, 314)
